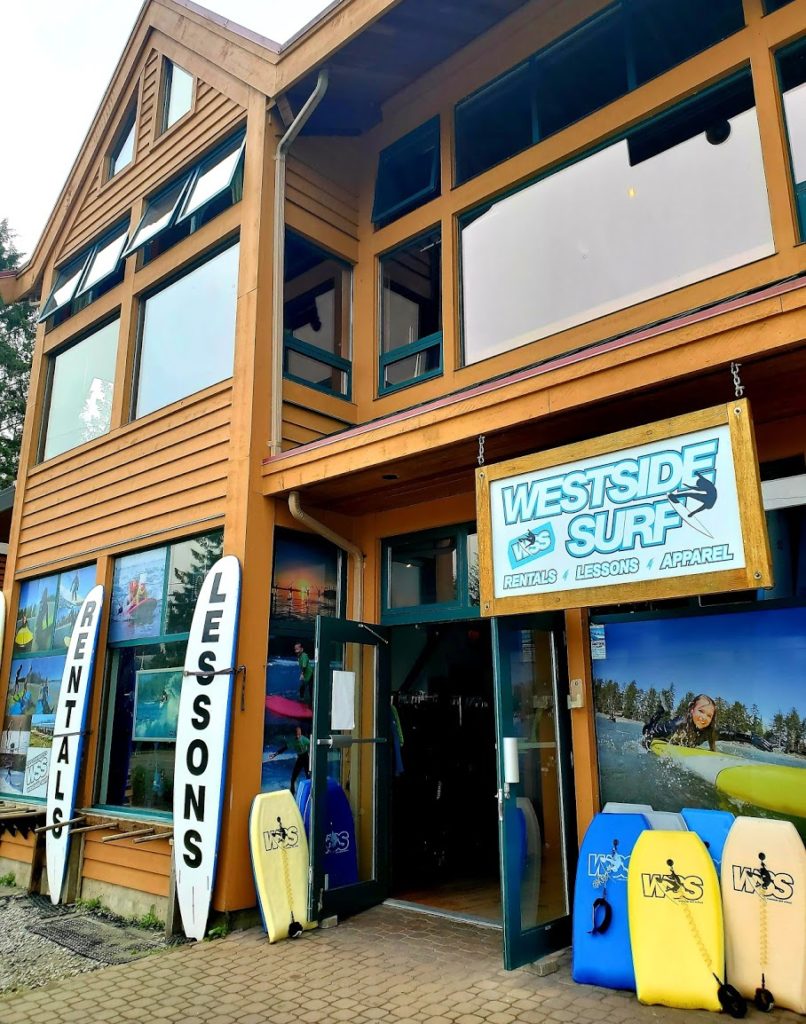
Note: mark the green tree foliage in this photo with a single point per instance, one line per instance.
(17, 331)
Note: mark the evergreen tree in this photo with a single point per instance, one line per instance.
(17, 332)
(685, 701)
(651, 702)
(756, 721)
(630, 702)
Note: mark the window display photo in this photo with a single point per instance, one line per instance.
(705, 710)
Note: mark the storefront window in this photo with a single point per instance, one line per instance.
(47, 610)
(703, 710)
(431, 575)
(154, 595)
(307, 580)
(680, 199)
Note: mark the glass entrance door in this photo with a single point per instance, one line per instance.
(535, 795)
(350, 746)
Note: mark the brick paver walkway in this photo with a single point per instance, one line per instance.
(386, 965)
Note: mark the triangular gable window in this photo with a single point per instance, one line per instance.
(122, 152)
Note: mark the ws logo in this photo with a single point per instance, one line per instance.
(681, 888)
(608, 866)
(531, 545)
(281, 838)
(337, 842)
(770, 885)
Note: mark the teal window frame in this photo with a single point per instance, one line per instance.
(461, 608)
(530, 68)
(293, 344)
(798, 187)
(421, 141)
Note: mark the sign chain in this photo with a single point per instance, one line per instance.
(738, 388)
(480, 458)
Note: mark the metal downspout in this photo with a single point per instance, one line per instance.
(296, 126)
(295, 507)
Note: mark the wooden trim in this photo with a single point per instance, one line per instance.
(583, 720)
(756, 573)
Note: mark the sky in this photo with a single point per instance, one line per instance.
(756, 657)
(56, 60)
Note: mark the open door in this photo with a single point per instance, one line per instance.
(350, 747)
(535, 796)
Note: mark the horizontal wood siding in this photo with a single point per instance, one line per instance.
(155, 163)
(145, 478)
(145, 867)
(17, 848)
(316, 193)
(301, 425)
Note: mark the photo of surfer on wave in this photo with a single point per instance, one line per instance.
(697, 725)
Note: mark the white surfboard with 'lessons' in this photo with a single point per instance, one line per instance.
(201, 741)
(68, 736)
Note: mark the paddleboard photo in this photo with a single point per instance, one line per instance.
(202, 734)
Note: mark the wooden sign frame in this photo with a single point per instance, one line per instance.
(756, 573)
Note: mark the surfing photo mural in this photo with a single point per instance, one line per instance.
(704, 711)
(46, 614)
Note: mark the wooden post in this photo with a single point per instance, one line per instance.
(583, 727)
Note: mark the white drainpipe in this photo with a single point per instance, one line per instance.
(356, 554)
(296, 126)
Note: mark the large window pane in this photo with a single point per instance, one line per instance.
(646, 215)
(422, 571)
(81, 391)
(665, 34)
(188, 333)
(411, 307)
(144, 685)
(792, 66)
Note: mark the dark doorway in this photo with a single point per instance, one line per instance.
(444, 823)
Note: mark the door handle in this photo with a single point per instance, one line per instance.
(340, 742)
(500, 797)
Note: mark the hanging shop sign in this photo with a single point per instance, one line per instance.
(202, 731)
(68, 736)
(670, 509)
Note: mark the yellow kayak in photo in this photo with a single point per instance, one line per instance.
(775, 787)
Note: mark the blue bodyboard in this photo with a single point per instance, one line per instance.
(605, 958)
(341, 856)
(712, 827)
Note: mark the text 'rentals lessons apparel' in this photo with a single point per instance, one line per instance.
(68, 736)
(201, 741)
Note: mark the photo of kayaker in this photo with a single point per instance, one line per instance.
(703, 710)
(137, 601)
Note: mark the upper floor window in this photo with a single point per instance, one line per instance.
(177, 94)
(411, 312)
(792, 68)
(408, 173)
(187, 336)
(316, 317)
(122, 151)
(80, 386)
(193, 199)
(624, 46)
(87, 276)
(676, 200)
(431, 575)
(773, 5)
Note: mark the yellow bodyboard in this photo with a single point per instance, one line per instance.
(764, 899)
(675, 921)
(280, 863)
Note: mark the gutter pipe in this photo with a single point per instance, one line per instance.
(356, 554)
(284, 145)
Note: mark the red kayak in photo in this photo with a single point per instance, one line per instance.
(287, 708)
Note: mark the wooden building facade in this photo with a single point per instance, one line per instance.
(483, 253)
